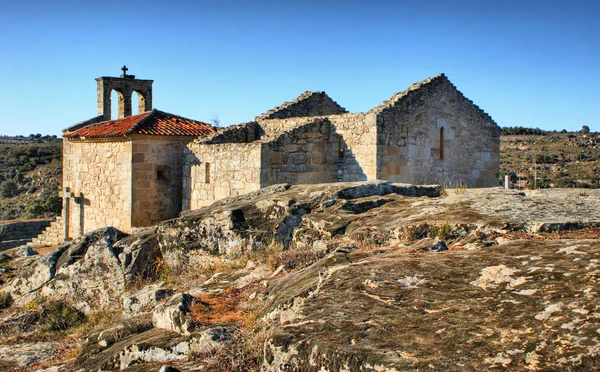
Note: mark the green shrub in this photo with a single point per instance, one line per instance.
(48, 205)
(8, 189)
(59, 316)
(5, 300)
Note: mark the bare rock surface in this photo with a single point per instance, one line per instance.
(89, 272)
(250, 222)
(150, 348)
(22, 355)
(174, 314)
(530, 305)
(369, 276)
(150, 295)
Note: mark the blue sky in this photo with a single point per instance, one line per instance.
(528, 63)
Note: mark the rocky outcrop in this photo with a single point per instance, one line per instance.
(88, 273)
(147, 297)
(251, 222)
(522, 305)
(151, 347)
(351, 276)
(174, 315)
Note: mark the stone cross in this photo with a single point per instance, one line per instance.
(124, 70)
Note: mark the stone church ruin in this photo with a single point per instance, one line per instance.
(140, 169)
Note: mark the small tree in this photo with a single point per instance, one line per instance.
(8, 189)
(215, 119)
(585, 129)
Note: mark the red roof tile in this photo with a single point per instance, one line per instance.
(155, 122)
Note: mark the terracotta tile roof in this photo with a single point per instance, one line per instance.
(155, 122)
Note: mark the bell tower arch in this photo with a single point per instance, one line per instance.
(125, 85)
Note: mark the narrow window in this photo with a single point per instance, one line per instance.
(341, 146)
(442, 143)
(162, 173)
(207, 173)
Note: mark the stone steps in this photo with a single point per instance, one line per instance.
(53, 235)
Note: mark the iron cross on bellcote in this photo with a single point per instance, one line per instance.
(124, 75)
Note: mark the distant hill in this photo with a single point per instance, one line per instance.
(30, 176)
(551, 159)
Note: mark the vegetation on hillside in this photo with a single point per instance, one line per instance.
(551, 159)
(30, 176)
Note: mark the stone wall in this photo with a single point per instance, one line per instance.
(157, 165)
(98, 174)
(242, 133)
(359, 138)
(15, 233)
(431, 133)
(217, 171)
(301, 155)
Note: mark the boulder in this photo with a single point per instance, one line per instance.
(26, 251)
(150, 295)
(139, 255)
(174, 315)
(90, 271)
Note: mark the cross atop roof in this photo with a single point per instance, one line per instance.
(124, 74)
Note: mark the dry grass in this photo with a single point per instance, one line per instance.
(442, 230)
(409, 234)
(210, 309)
(370, 237)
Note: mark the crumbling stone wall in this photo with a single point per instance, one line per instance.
(431, 133)
(157, 166)
(306, 105)
(301, 155)
(98, 174)
(15, 233)
(242, 133)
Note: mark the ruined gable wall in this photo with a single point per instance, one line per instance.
(234, 170)
(242, 133)
(358, 132)
(101, 171)
(157, 165)
(306, 105)
(409, 148)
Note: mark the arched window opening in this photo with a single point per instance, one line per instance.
(141, 102)
(442, 143)
(115, 99)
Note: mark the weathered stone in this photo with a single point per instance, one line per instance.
(174, 314)
(86, 272)
(150, 295)
(351, 309)
(26, 251)
(19, 356)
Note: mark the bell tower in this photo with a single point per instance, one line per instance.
(124, 85)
